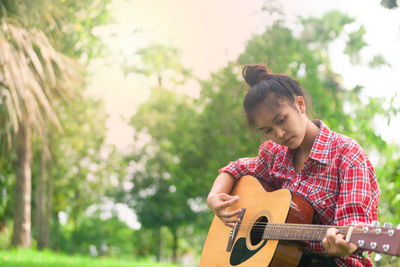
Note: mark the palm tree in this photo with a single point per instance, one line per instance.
(34, 77)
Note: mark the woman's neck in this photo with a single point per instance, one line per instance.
(309, 137)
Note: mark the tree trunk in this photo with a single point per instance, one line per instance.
(158, 243)
(22, 212)
(174, 245)
(41, 208)
(56, 232)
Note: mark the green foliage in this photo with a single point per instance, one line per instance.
(77, 156)
(161, 61)
(355, 44)
(162, 183)
(158, 199)
(306, 59)
(7, 181)
(378, 61)
(324, 30)
(389, 175)
(69, 24)
(6, 230)
(36, 31)
(111, 237)
(83, 167)
(390, 4)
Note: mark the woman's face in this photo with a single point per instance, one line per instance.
(281, 121)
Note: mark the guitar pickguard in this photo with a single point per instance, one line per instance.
(241, 253)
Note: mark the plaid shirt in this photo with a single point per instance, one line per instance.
(337, 179)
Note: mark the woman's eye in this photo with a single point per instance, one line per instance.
(282, 120)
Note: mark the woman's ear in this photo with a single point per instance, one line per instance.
(300, 104)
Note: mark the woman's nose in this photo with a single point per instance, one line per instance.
(280, 133)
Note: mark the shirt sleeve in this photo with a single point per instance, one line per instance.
(316, 247)
(256, 166)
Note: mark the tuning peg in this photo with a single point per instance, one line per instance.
(388, 225)
(377, 257)
(375, 224)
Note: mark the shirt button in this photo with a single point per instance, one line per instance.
(323, 202)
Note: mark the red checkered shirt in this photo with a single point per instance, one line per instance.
(337, 179)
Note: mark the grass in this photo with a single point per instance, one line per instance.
(31, 258)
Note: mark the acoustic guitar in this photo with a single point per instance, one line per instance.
(274, 228)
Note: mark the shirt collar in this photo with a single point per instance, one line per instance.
(320, 150)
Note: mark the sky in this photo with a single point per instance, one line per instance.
(209, 33)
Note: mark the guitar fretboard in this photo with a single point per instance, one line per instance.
(288, 231)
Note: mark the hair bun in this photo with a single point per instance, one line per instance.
(253, 74)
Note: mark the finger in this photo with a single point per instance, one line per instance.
(230, 222)
(346, 247)
(228, 203)
(329, 241)
(231, 225)
(325, 244)
(352, 248)
(224, 213)
(225, 196)
(340, 240)
(331, 235)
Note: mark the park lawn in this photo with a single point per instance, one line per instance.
(31, 258)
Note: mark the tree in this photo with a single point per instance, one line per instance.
(306, 58)
(159, 60)
(35, 78)
(157, 198)
(70, 30)
(83, 167)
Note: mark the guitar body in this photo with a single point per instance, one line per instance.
(248, 248)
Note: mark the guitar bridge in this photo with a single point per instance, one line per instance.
(233, 233)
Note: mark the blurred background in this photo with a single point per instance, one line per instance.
(115, 115)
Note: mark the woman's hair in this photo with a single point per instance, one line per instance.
(265, 84)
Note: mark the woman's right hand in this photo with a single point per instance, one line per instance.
(218, 202)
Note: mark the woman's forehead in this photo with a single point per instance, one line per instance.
(274, 104)
(268, 111)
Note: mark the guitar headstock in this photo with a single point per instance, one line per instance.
(384, 239)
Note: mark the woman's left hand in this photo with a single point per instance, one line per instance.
(335, 245)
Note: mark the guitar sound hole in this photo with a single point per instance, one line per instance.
(257, 230)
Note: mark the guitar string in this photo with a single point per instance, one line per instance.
(279, 226)
(288, 225)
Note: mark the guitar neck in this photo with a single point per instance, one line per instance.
(300, 232)
(380, 239)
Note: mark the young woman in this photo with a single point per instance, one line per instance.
(328, 169)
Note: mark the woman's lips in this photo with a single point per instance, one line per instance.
(287, 141)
